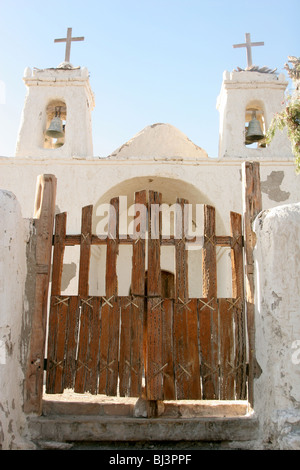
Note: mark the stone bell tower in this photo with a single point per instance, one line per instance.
(247, 102)
(56, 119)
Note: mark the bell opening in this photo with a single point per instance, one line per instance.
(54, 136)
(254, 128)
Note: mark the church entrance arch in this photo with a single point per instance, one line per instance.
(157, 340)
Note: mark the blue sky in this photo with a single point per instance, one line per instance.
(149, 60)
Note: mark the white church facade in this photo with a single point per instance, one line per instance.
(161, 158)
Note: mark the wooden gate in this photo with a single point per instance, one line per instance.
(181, 347)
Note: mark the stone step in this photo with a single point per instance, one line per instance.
(68, 428)
(74, 418)
(88, 405)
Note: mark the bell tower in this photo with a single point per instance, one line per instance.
(248, 100)
(56, 119)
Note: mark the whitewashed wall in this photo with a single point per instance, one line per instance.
(277, 391)
(13, 238)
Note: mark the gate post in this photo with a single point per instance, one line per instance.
(44, 211)
(252, 206)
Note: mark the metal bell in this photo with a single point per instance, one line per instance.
(56, 128)
(59, 143)
(254, 132)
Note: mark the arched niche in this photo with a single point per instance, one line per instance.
(170, 188)
(55, 110)
(255, 114)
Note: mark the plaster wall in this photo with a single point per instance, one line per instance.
(277, 391)
(13, 238)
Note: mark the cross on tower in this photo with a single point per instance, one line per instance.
(68, 41)
(248, 44)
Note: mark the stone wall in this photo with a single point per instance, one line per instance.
(277, 391)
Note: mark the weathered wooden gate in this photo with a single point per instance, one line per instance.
(183, 348)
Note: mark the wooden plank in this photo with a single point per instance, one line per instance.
(72, 341)
(131, 346)
(44, 215)
(154, 236)
(252, 205)
(154, 378)
(137, 302)
(208, 314)
(237, 263)
(91, 379)
(240, 353)
(181, 254)
(209, 260)
(83, 359)
(154, 340)
(186, 351)
(58, 312)
(169, 391)
(194, 392)
(111, 315)
(104, 344)
(58, 252)
(62, 343)
(85, 250)
(138, 247)
(227, 350)
(125, 347)
(61, 306)
(110, 312)
(137, 336)
(208, 339)
(182, 373)
(88, 347)
(72, 240)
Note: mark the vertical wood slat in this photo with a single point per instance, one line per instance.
(181, 254)
(185, 342)
(252, 205)
(83, 291)
(169, 391)
(132, 308)
(186, 351)
(85, 250)
(56, 344)
(88, 350)
(227, 351)
(62, 343)
(208, 340)
(44, 215)
(110, 313)
(72, 341)
(209, 314)
(125, 363)
(209, 259)
(238, 309)
(154, 360)
(138, 288)
(58, 312)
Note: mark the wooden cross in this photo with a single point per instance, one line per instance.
(68, 41)
(248, 44)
